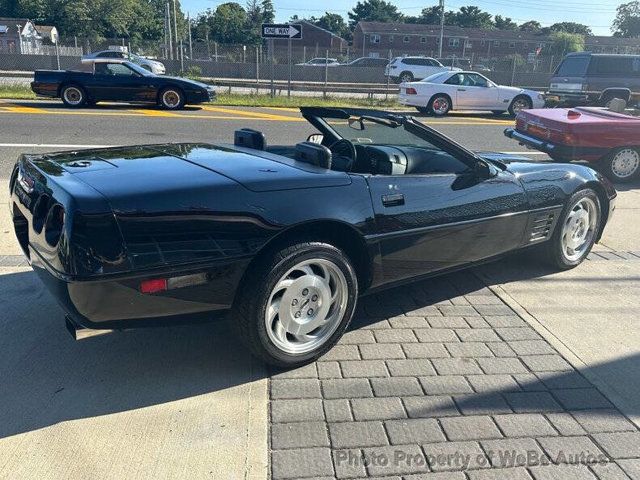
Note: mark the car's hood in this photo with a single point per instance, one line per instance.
(188, 81)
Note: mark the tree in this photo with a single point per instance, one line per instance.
(627, 21)
(432, 15)
(268, 12)
(504, 23)
(472, 17)
(571, 27)
(561, 43)
(532, 26)
(228, 23)
(374, 11)
(332, 22)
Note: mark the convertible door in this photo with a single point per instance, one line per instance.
(433, 222)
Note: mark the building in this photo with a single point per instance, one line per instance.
(315, 42)
(378, 39)
(48, 33)
(18, 35)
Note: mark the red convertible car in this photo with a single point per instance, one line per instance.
(597, 135)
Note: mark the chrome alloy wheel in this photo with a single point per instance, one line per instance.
(306, 306)
(73, 95)
(579, 229)
(520, 104)
(625, 163)
(171, 99)
(440, 105)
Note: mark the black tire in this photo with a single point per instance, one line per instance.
(439, 99)
(611, 167)
(251, 303)
(498, 112)
(171, 98)
(553, 252)
(424, 110)
(514, 105)
(73, 96)
(405, 77)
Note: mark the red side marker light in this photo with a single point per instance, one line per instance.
(411, 91)
(153, 286)
(572, 114)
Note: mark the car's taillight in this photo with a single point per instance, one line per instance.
(410, 91)
(156, 285)
(54, 225)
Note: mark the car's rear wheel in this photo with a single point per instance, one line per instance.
(295, 303)
(406, 77)
(622, 165)
(439, 105)
(73, 96)
(172, 98)
(576, 231)
(521, 102)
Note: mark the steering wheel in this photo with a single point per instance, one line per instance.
(343, 155)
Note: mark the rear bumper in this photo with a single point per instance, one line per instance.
(556, 151)
(114, 303)
(569, 99)
(45, 89)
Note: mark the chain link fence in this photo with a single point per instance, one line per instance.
(282, 67)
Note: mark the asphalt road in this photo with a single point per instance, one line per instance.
(170, 401)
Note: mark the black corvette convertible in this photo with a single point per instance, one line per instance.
(286, 237)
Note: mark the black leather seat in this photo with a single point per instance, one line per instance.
(314, 154)
(249, 138)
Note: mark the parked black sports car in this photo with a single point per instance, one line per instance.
(112, 79)
(287, 237)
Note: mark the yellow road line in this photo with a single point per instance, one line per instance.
(267, 116)
(155, 113)
(18, 109)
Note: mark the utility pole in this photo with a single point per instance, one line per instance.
(175, 25)
(168, 21)
(441, 28)
(190, 44)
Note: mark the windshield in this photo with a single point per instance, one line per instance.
(436, 77)
(376, 132)
(138, 69)
(573, 67)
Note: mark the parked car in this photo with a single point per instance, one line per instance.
(152, 65)
(605, 138)
(320, 62)
(118, 80)
(445, 91)
(408, 69)
(595, 79)
(368, 62)
(481, 68)
(460, 62)
(285, 238)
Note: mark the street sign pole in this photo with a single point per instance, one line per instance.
(289, 83)
(273, 88)
(441, 29)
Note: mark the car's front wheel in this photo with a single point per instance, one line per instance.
(521, 102)
(172, 99)
(576, 231)
(295, 303)
(73, 96)
(622, 165)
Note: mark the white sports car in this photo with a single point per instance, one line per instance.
(446, 91)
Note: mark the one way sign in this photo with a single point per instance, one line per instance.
(272, 30)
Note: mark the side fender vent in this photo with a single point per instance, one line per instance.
(541, 226)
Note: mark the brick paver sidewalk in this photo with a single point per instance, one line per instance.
(441, 380)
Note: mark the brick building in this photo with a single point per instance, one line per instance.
(315, 42)
(377, 38)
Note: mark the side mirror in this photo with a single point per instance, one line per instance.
(356, 123)
(482, 170)
(315, 138)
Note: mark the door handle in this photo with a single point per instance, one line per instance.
(393, 200)
(462, 89)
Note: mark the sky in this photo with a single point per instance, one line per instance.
(597, 14)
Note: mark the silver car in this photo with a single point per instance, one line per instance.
(152, 65)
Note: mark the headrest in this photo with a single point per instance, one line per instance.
(617, 105)
(315, 154)
(249, 138)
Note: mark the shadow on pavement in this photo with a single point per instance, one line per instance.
(48, 378)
